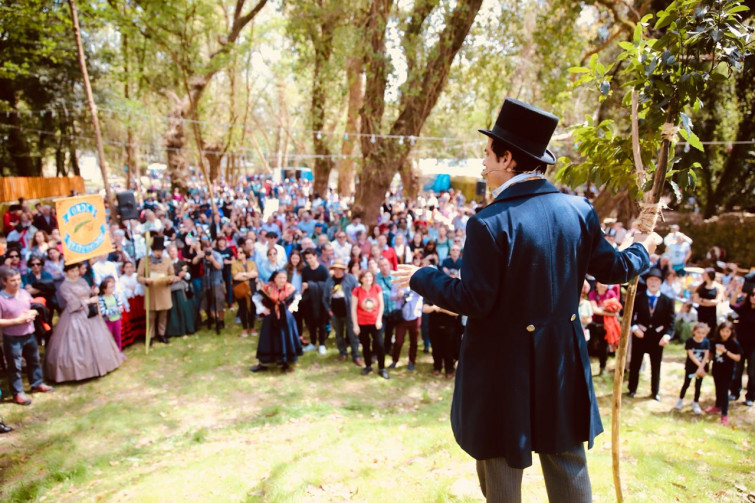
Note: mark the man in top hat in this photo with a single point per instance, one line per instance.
(523, 382)
(652, 329)
(161, 276)
(338, 289)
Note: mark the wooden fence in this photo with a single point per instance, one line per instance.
(13, 187)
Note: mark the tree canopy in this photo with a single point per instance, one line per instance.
(365, 88)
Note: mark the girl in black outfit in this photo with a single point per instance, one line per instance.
(746, 338)
(708, 295)
(727, 352)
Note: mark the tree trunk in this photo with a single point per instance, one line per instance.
(60, 158)
(370, 193)
(16, 144)
(346, 168)
(72, 157)
(175, 140)
(322, 41)
(214, 155)
(409, 179)
(129, 129)
(382, 157)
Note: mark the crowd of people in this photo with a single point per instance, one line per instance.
(281, 257)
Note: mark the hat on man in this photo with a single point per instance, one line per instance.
(525, 129)
(338, 264)
(158, 243)
(654, 272)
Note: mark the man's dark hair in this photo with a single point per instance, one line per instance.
(309, 251)
(523, 162)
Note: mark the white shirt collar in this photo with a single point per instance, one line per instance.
(516, 179)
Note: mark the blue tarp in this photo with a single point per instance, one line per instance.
(438, 183)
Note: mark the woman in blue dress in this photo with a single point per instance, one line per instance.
(279, 338)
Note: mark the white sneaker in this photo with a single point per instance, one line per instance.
(322, 350)
(680, 404)
(696, 408)
(308, 347)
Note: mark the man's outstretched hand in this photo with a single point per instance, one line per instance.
(402, 276)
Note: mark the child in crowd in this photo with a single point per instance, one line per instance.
(111, 308)
(727, 353)
(698, 356)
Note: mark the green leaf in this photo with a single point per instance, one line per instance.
(664, 21)
(578, 69)
(627, 46)
(692, 139)
(738, 8)
(637, 34)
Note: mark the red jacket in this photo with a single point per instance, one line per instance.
(390, 254)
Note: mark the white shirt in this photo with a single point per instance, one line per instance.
(342, 252)
(103, 269)
(515, 179)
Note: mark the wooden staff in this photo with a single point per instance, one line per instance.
(146, 290)
(651, 208)
(92, 110)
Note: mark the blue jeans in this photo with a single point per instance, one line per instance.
(341, 325)
(15, 347)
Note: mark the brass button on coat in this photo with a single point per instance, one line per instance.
(573, 317)
(530, 328)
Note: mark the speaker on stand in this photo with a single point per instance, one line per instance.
(480, 188)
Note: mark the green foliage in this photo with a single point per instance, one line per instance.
(668, 65)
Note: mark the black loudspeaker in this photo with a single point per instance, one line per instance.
(480, 188)
(127, 209)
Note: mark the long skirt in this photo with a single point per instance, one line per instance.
(80, 348)
(134, 322)
(279, 339)
(181, 319)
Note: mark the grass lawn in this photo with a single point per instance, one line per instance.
(189, 422)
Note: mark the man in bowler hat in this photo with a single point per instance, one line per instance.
(523, 382)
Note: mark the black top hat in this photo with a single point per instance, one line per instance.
(525, 128)
(654, 272)
(158, 243)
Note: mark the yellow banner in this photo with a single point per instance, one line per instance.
(83, 229)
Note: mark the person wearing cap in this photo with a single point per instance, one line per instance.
(524, 382)
(338, 299)
(161, 276)
(652, 329)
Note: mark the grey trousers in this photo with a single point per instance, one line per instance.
(566, 478)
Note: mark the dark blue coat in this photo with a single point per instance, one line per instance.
(524, 382)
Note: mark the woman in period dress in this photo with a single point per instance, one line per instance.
(279, 339)
(133, 323)
(181, 319)
(80, 347)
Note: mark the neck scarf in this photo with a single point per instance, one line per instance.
(277, 295)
